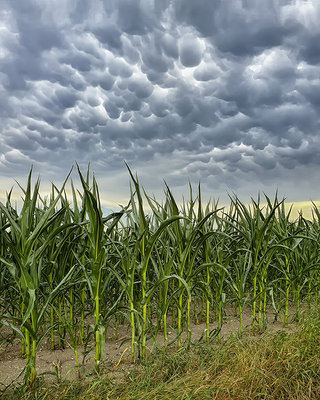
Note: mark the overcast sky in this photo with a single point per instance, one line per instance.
(222, 91)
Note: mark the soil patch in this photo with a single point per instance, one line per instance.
(61, 363)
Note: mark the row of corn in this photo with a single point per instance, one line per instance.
(67, 272)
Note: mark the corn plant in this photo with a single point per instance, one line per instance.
(95, 267)
(26, 268)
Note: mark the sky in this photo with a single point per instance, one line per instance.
(225, 92)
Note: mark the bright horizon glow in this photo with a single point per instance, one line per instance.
(113, 204)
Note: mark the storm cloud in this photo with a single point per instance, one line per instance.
(226, 92)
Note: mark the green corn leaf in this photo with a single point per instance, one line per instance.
(32, 299)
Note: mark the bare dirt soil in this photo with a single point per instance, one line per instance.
(61, 363)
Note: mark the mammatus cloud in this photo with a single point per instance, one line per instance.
(222, 92)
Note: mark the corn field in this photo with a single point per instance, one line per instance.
(67, 272)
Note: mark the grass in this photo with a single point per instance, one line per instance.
(268, 366)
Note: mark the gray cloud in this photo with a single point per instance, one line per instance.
(224, 92)
(190, 51)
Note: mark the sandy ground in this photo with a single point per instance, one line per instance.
(60, 363)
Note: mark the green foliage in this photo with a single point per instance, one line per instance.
(63, 263)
